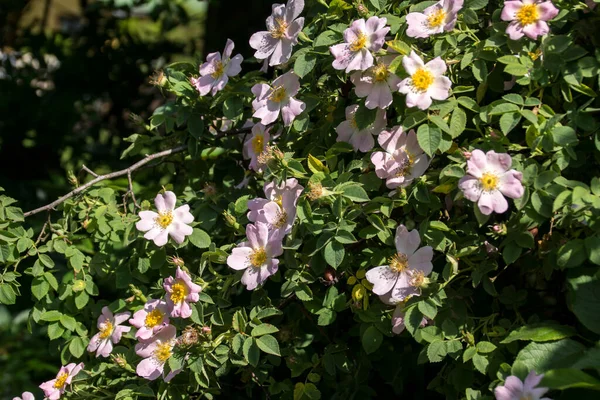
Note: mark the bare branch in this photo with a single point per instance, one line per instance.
(131, 189)
(98, 178)
(89, 171)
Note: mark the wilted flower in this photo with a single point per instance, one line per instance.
(255, 144)
(278, 210)
(150, 319)
(110, 331)
(215, 72)
(426, 81)
(55, 388)
(270, 100)
(156, 353)
(169, 221)
(315, 191)
(403, 159)
(361, 140)
(257, 255)
(181, 291)
(283, 26)
(189, 337)
(528, 17)
(515, 389)
(25, 396)
(489, 179)
(361, 38)
(376, 84)
(406, 270)
(438, 18)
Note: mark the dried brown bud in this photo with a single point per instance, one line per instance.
(209, 189)
(315, 191)
(158, 78)
(329, 274)
(189, 337)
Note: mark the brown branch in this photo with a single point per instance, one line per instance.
(89, 171)
(126, 171)
(131, 189)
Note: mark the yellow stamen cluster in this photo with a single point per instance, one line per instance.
(164, 219)
(528, 14)
(407, 165)
(61, 381)
(436, 18)
(279, 200)
(417, 279)
(359, 43)
(163, 352)
(178, 292)
(278, 94)
(258, 257)
(258, 143)
(422, 79)
(380, 73)
(218, 72)
(398, 262)
(153, 318)
(315, 191)
(281, 219)
(489, 181)
(106, 329)
(280, 29)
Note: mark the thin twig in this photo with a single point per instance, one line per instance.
(39, 238)
(99, 178)
(89, 171)
(131, 189)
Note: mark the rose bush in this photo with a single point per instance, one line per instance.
(407, 203)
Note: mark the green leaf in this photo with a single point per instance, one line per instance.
(68, 322)
(585, 300)
(458, 122)
(334, 253)
(7, 294)
(509, 121)
(429, 138)
(571, 254)
(564, 135)
(326, 317)
(305, 63)
(306, 391)
(371, 339)
(264, 329)
(55, 331)
(436, 351)
(481, 363)
(485, 347)
(565, 378)
(269, 345)
(592, 247)
(355, 193)
(327, 38)
(77, 346)
(542, 332)
(379, 4)
(413, 319)
(544, 356)
(364, 117)
(428, 308)
(39, 287)
(196, 126)
(51, 316)
(46, 260)
(251, 351)
(199, 238)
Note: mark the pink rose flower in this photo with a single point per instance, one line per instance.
(361, 38)
(528, 17)
(403, 160)
(283, 26)
(270, 100)
(361, 140)
(489, 179)
(398, 324)
(426, 81)
(438, 18)
(376, 84)
(257, 255)
(407, 269)
(181, 291)
(278, 210)
(110, 331)
(515, 389)
(255, 144)
(25, 396)
(215, 72)
(169, 221)
(155, 353)
(151, 319)
(55, 388)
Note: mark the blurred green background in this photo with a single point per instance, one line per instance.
(75, 79)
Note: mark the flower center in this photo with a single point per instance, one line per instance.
(178, 292)
(279, 200)
(163, 352)
(406, 166)
(281, 219)
(380, 73)
(359, 43)
(61, 380)
(280, 29)
(106, 329)
(422, 79)
(353, 123)
(398, 262)
(436, 18)
(258, 143)
(164, 219)
(153, 318)
(489, 182)
(258, 257)
(417, 279)
(528, 14)
(278, 94)
(219, 67)
(315, 191)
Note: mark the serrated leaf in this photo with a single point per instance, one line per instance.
(429, 138)
(268, 344)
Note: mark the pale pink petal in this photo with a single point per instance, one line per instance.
(492, 201)
(412, 63)
(264, 44)
(417, 27)
(547, 11)
(514, 31)
(382, 278)
(293, 9)
(182, 214)
(421, 260)
(407, 242)
(510, 10)
(440, 88)
(162, 238)
(149, 369)
(292, 110)
(170, 200)
(510, 184)
(229, 46)
(238, 259)
(235, 65)
(362, 141)
(477, 164)
(539, 28)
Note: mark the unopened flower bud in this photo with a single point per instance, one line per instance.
(72, 178)
(176, 260)
(500, 229)
(158, 78)
(137, 293)
(230, 219)
(469, 338)
(467, 154)
(362, 10)
(85, 223)
(120, 360)
(206, 330)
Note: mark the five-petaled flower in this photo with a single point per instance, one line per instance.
(279, 96)
(403, 159)
(438, 18)
(181, 291)
(407, 269)
(109, 332)
(168, 221)
(155, 353)
(361, 38)
(426, 81)
(515, 389)
(528, 17)
(283, 26)
(151, 319)
(215, 72)
(489, 178)
(360, 139)
(55, 388)
(255, 144)
(376, 84)
(278, 210)
(25, 396)
(257, 255)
